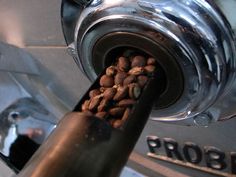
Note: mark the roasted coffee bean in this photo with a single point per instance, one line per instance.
(123, 64)
(126, 114)
(94, 92)
(126, 103)
(117, 124)
(111, 121)
(101, 115)
(103, 105)
(109, 93)
(142, 80)
(149, 68)
(111, 71)
(119, 89)
(130, 79)
(88, 113)
(85, 105)
(95, 101)
(151, 61)
(138, 61)
(120, 77)
(136, 71)
(106, 81)
(117, 111)
(134, 91)
(121, 93)
(116, 86)
(102, 89)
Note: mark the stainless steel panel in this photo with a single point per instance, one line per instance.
(66, 80)
(31, 23)
(220, 135)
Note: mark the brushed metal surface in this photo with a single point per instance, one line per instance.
(31, 23)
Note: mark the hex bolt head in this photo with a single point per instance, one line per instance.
(203, 119)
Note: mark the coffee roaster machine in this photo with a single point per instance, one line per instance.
(193, 42)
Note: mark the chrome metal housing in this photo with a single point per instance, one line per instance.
(194, 38)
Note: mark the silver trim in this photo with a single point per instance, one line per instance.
(194, 31)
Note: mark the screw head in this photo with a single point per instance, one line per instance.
(13, 116)
(203, 119)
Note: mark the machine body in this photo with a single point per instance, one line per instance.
(191, 39)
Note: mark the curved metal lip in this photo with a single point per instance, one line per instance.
(80, 42)
(112, 42)
(158, 17)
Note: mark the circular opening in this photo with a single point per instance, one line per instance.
(14, 115)
(114, 45)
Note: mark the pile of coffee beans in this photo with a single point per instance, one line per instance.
(120, 88)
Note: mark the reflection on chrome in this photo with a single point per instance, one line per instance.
(29, 110)
(24, 125)
(196, 35)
